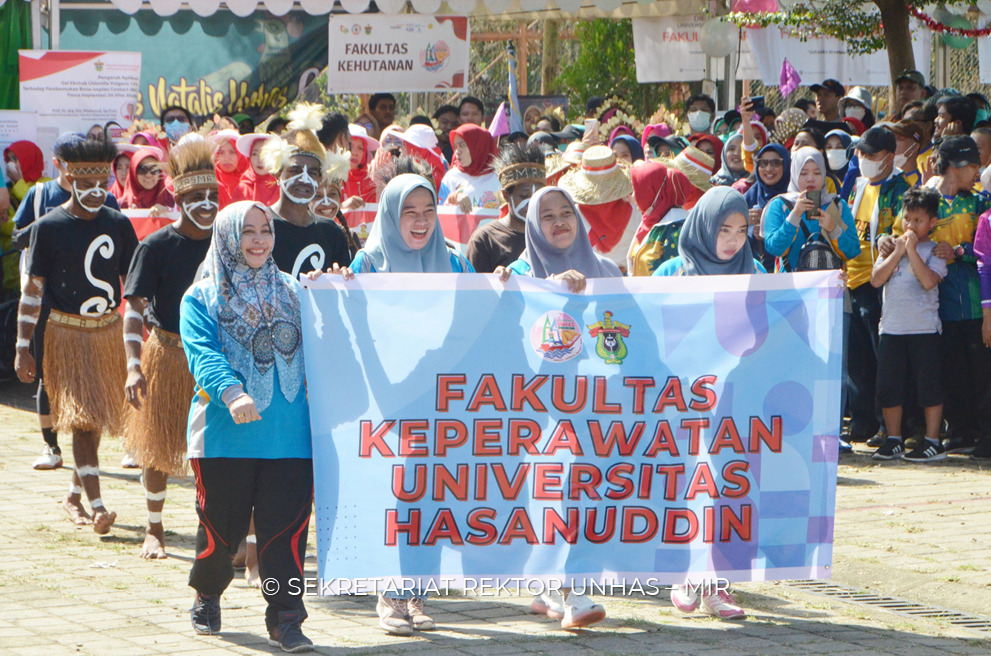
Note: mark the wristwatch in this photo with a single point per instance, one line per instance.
(959, 251)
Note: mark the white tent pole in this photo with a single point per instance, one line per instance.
(55, 24)
(36, 24)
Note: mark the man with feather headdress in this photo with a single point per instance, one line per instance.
(297, 159)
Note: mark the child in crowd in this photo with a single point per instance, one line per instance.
(909, 346)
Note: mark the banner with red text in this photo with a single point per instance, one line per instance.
(647, 430)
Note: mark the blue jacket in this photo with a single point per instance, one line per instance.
(782, 237)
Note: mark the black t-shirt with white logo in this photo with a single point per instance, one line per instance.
(165, 264)
(82, 260)
(301, 249)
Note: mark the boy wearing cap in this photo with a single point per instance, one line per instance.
(828, 96)
(908, 351)
(966, 361)
(875, 202)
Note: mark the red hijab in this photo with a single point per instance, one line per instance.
(135, 196)
(263, 188)
(717, 145)
(228, 181)
(481, 145)
(606, 223)
(359, 183)
(30, 158)
(657, 189)
(117, 189)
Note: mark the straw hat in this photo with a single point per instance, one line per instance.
(573, 152)
(599, 179)
(696, 165)
(555, 166)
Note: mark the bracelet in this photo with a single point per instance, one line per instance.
(23, 343)
(133, 362)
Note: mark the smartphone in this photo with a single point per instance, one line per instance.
(815, 196)
(591, 125)
(757, 103)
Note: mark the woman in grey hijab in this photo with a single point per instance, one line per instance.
(557, 244)
(714, 238)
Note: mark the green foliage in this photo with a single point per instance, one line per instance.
(604, 66)
(843, 19)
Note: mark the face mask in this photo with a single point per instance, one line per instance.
(902, 160)
(699, 121)
(14, 170)
(96, 195)
(855, 112)
(871, 169)
(836, 158)
(175, 129)
(206, 204)
(302, 177)
(330, 204)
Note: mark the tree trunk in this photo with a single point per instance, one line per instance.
(897, 37)
(548, 62)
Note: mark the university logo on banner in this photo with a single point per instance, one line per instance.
(646, 431)
(407, 52)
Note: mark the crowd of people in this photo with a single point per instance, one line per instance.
(188, 343)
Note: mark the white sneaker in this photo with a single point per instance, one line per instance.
(49, 460)
(550, 604)
(580, 611)
(722, 605)
(129, 462)
(684, 599)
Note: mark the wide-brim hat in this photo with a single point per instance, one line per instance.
(857, 95)
(573, 152)
(696, 165)
(599, 179)
(221, 136)
(420, 135)
(555, 165)
(245, 143)
(355, 130)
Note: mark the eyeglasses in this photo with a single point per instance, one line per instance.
(145, 170)
(774, 164)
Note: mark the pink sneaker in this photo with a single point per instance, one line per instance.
(684, 599)
(722, 605)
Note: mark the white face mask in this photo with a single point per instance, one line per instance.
(206, 204)
(13, 170)
(836, 157)
(302, 177)
(871, 169)
(95, 195)
(855, 112)
(699, 120)
(902, 160)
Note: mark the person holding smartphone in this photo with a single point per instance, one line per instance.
(807, 202)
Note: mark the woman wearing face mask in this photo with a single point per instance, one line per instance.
(909, 136)
(229, 165)
(471, 182)
(732, 168)
(145, 186)
(786, 215)
(257, 183)
(837, 153)
(857, 105)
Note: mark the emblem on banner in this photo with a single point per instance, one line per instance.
(435, 56)
(609, 334)
(556, 336)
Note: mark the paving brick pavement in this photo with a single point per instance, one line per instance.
(917, 532)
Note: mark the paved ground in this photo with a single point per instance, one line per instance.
(917, 532)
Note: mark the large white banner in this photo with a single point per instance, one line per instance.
(398, 53)
(72, 90)
(822, 58)
(16, 125)
(667, 50)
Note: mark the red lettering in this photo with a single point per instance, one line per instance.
(584, 478)
(727, 436)
(663, 441)
(555, 524)
(486, 438)
(525, 434)
(695, 426)
(375, 438)
(671, 473)
(480, 520)
(759, 432)
(443, 527)
(704, 396)
(701, 482)
(413, 437)
(621, 475)
(487, 392)
(671, 396)
(393, 527)
(616, 438)
(733, 474)
(527, 392)
(708, 524)
(518, 526)
(639, 385)
(741, 525)
(671, 533)
(564, 437)
(444, 392)
(545, 477)
(630, 516)
(646, 480)
(445, 481)
(510, 489)
(419, 483)
(599, 403)
(609, 525)
(449, 434)
(579, 400)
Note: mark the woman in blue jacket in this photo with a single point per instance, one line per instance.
(786, 214)
(249, 429)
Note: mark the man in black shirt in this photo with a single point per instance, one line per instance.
(159, 385)
(77, 258)
(303, 241)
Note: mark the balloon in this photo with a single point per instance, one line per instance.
(718, 38)
(952, 20)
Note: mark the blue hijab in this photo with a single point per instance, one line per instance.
(761, 193)
(636, 150)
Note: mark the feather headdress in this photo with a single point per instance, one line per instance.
(190, 164)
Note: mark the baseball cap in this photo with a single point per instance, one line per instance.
(877, 139)
(911, 75)
(829, 85)
(959, 151)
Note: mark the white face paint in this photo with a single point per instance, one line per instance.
(94, 195)
(326, 206)
(205, 205)
(520, 210)
(303, 177)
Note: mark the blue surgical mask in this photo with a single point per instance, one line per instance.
(982, 115)
(175, 129)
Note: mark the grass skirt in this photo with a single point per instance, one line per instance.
(156, 435)
(85, 372)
